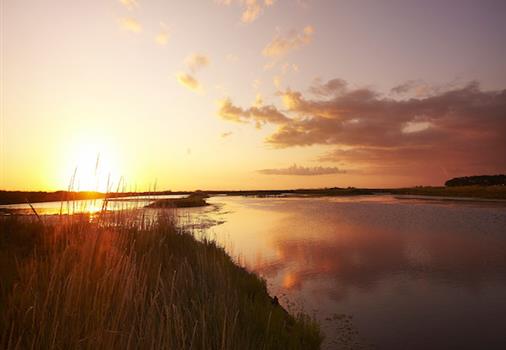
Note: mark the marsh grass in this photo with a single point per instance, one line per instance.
(124, 282)
(485, 192)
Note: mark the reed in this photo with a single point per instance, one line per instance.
(127, 282)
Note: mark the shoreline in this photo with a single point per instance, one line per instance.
(95, 267)
(467, 192)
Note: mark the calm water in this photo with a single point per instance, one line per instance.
(84, 206)
(377, 272)
(412, 274)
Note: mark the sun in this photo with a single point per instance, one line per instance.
(94, 166)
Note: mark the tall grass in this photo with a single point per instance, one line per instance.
(131, 283)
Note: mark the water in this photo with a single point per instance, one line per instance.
(412, 274)
(376, 271)
(83, 206)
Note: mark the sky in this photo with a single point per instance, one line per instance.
(250, 94)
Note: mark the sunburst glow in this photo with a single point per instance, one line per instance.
(95, 165)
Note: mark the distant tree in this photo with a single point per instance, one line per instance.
(481, 180)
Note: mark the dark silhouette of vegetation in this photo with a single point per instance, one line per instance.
(481, 180)
(196, 199)
(474, 192)
(122, 282)
(492, 187)
(16, 197)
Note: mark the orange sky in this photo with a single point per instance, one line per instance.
(235, 94)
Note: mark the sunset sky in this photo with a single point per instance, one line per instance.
(250, 94)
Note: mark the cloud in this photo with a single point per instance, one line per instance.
(163, 36)
(419, 88)
(276, 80)
(251, 9)
(329, 88)
(452, 132)
(130, 24)
(257, 114)
(194, 62)
(256, 84)
(197, 61)
(259, 101)
(287, 67)
(189, 82)
(302, 171)
(281, 45)
(129, 4)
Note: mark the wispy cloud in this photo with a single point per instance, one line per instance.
(163, 36)
(251, 12)
(281, 45)
(194, 63)
(189, 82)
(251, 9)
(302, 171)
(129, 4)
(130, 24)
(287, 68)
(276, 80)
(197, 61)
(419, 88)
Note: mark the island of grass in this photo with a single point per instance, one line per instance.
(114, 282)
(195, 199)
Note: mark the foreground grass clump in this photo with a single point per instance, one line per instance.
(130, 285)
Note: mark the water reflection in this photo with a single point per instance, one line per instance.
(414, 274)
(360, 251)
(90, 206)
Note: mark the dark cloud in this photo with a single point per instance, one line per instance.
(462, 129)
(302, 171)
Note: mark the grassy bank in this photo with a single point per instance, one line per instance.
(125, 284)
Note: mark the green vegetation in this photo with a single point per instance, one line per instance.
(196, 199)
(118, 281)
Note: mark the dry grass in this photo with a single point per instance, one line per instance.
(132, 284)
